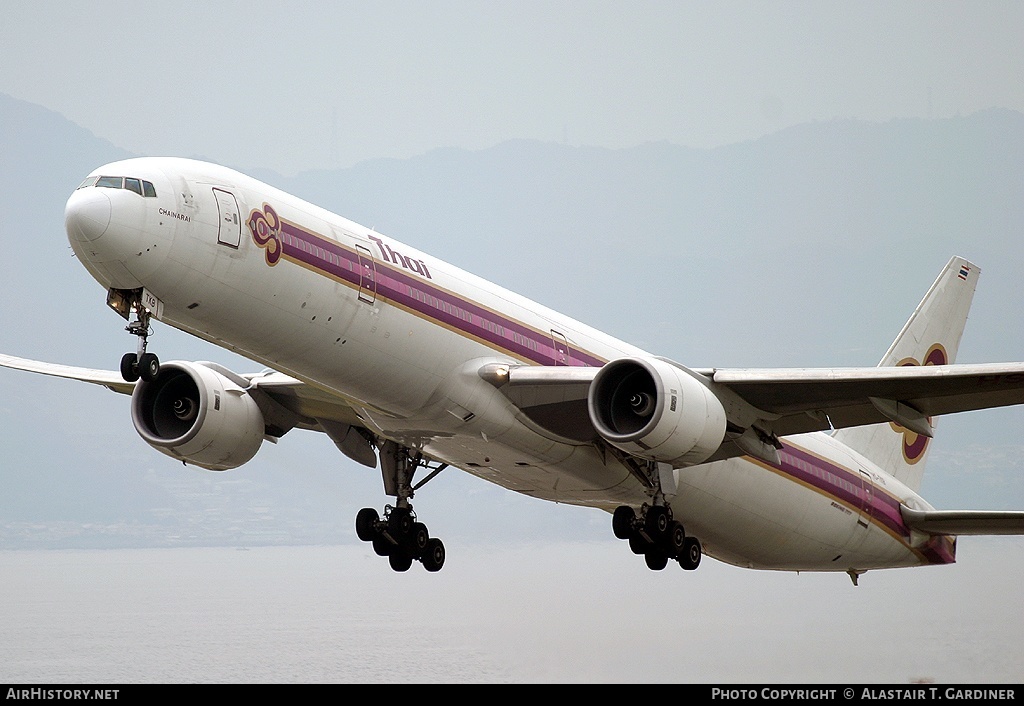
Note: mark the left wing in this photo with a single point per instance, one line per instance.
(780, 402)
(814, 399)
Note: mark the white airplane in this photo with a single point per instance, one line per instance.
(405, 360)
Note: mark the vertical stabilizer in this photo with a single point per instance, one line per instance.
(930, 337)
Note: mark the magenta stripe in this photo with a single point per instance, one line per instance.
(431, 302)
(848, 486)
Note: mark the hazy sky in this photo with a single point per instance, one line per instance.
(298, 85)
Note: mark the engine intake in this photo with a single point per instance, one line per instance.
(652, 409)
(194, 414)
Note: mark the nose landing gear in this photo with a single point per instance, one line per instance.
(138, 365)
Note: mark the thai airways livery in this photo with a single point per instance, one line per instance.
(411, 365)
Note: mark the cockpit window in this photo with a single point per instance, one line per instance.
(139, 186)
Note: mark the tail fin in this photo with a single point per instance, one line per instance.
(930, 337)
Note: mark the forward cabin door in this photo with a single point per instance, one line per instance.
(229, 225)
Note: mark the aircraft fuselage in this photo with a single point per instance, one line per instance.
(401, 335)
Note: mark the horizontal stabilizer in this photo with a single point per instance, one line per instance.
(964, 522)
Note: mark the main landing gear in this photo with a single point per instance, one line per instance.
(139, 364)
(657, 536)
(399, 535)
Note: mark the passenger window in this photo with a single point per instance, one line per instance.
(133, 185)
(109, 182)
(148, 189)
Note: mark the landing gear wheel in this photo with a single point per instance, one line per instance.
(366, 524)
(690, 558)
(433, 555)
(623, 520)
(400, 560)
(418, 539)
(381, 546)
(400, 522)
(149, 367)
(130, 367)
(656, 523)
(656, 558)
(675, 539)
(638, 545)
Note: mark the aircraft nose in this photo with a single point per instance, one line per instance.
(87, 215)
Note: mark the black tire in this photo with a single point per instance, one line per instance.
(638, 545)
(130, 367)
(400, 560)
(366, 524)
(675, 539)
(149, 367)
(656, 558)
(399, 522)
(657, 521)
(433, 555)
(381, 546)
(418, 539)
(690, 558)
(622, 521)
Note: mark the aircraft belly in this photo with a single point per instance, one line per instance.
(575, 475)
(747, 515)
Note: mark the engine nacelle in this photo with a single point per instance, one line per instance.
(195, 414)
(654, 410)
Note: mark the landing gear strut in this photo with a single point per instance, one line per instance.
(399, 535)
(139, 364)
(657, 536)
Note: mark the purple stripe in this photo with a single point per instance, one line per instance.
(418, 295)
(848, 486)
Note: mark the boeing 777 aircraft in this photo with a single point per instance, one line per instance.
(413, 365)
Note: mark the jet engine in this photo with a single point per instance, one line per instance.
(654, 410)
(195, 414)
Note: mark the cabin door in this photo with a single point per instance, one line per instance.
(229, 225)
(367, 275)
(561, 348)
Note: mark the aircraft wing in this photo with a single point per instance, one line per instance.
(108, 378)
(286, 401)
(808, 399)
(783, 401)
(964, 522)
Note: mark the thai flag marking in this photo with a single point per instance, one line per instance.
(964, 271)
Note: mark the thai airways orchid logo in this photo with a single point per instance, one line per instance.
(914, 444)
(265, 227)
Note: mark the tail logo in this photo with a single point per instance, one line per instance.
(914, 444)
